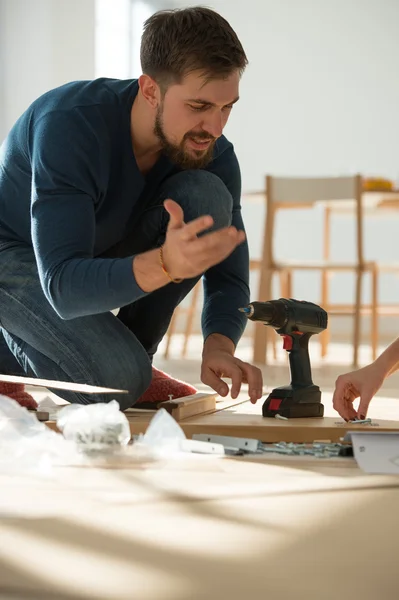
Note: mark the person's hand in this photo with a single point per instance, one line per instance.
(219, 363)
(185, 254)
(362, 383)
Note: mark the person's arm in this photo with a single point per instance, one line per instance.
(69, 170)
(388, 362)
(226, 285)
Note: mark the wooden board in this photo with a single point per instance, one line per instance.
(61, 385)
(180, 408)
(245, 420)
(41, 415)
(204, 413)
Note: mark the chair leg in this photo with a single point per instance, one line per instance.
(170, 332)
(285, 292)
(261, 333)
(271, 337)
(261, 338)
(283, 283)
(190, 318)
(374, 313)
(271, 340)
(324, 339)
(325, 335)
(356, 327)
(289, 284)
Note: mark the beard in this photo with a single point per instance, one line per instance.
(177, 153)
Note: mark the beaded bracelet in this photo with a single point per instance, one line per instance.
(164, 268)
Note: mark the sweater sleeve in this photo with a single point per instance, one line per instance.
(226, 285)
(68, 163)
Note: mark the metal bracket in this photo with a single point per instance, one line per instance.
(245, 444)
(202, 447)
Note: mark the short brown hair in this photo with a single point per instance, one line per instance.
(177, 42)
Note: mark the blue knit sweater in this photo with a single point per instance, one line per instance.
(69, 184)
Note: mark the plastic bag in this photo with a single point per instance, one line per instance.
(26, 444)
(93, 435)
(164, 436)
(166, 444)
(95, 428)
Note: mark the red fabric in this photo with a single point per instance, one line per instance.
(163, 385)
(16, 391)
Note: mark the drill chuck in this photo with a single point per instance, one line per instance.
(271, 313)
(259, 311)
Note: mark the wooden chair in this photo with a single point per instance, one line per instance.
(376, 199)
(388, 203)
(293, 192)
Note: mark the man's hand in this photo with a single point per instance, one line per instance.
(218, 361)
(185, 254)
(364, 384)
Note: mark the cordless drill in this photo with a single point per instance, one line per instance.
(296, 321)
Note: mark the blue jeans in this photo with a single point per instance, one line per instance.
(101, 349)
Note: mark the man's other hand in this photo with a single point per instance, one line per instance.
(218, 364)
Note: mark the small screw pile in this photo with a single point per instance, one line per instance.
(317, 449)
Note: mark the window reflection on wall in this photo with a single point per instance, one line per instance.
(119, 25)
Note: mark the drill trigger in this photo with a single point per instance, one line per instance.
(287, 343)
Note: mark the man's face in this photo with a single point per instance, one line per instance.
(192, 116)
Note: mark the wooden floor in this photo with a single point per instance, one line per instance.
(206, 528)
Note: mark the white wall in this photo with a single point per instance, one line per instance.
(321, 92)
(44, 43)
(112, 38)
(119, 25)
(320, 97)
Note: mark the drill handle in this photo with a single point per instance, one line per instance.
(301, 374)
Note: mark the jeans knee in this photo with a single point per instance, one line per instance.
(135, 380)
(133, 374)
(200, 193)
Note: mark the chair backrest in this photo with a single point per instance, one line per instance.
(301, 192)
(310, 190)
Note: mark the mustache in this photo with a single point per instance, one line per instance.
(201, 135)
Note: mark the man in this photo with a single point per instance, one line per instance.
(364, 384)
(123, 194)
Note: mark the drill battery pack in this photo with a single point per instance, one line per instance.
(294, 402)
